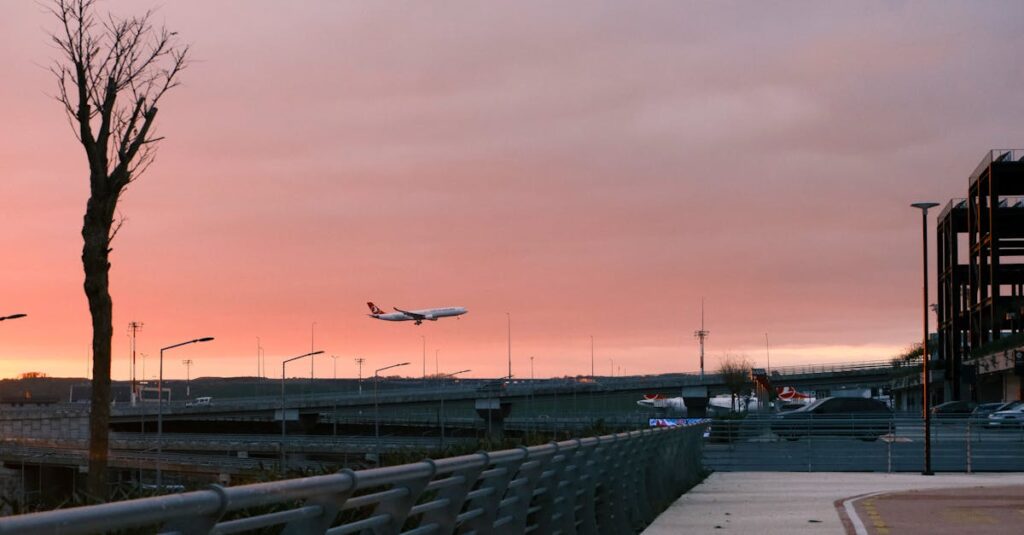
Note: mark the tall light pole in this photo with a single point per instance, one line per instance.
(335, 359)
(188, 378)
(531, 370)
(376, 408)
(360, 362)
(160, 407)
(283, 419)
(924, 206)
(611, 366)
(437, 368)
(312, 344)
(591, 357)
(424, 358)
(259, 361)
(12, 317)
(509, 316)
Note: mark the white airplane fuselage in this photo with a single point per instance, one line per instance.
(418, 316)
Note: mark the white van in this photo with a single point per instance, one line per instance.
(204, 401)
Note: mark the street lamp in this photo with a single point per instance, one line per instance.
(286, 361)
(376, 408)
(453, 374)
(188, 378)
(509, 316)
(924, 206)
(12, 317)
(160, 407)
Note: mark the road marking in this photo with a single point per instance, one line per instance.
(851, 512)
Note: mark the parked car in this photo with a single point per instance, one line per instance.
(953, 410)
(982, 411)
(1007, 418)
(863, 418)
(498, 386)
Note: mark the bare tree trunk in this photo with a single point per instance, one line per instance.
(104, 58)
(95, 261)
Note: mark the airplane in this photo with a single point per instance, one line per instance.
(788, 393)
(716, 404)
(418, 316)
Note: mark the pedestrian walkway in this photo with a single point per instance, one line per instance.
(818, 502)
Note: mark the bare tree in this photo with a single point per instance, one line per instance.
(111, 74)
(735, 371)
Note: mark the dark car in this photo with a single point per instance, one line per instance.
(498, 386)
(982, 411)
(985, 409)
(953, 410)
(863, 418)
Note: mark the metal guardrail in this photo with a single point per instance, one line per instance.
(837, 444)
(610, 485)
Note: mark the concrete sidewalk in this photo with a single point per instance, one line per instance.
(792, 502)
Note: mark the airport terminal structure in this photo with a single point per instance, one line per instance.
(979, 353)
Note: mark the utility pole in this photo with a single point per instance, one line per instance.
(591, 357)
(133, 328)
(188, 378)
(360, 362)
(701, 335)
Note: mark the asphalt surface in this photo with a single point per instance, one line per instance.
(978, 511)
(785, 503)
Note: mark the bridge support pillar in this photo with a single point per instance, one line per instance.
(696, 400)
(493, 411)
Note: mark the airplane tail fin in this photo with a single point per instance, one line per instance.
(374, 309)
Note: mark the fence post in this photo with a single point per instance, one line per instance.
(888, 446)
(968, 444)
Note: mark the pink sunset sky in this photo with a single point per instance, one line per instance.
(592, 168)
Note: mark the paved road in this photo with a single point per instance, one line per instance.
(788, 503)
(978, 511)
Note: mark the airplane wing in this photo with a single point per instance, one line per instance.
(412, 315)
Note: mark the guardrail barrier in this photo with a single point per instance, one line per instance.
(612, 484)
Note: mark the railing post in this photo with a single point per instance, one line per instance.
(584, 497)
(530, 470)
(489, 504)
(456, 496)
(398, 508)
(199, 525)
(551, 481)
(329, 504)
